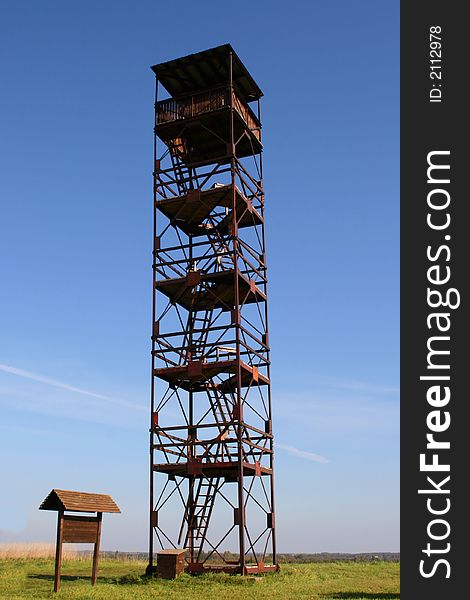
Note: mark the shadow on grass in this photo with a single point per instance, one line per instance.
(362, 596)
(62, 577)
(125, 579)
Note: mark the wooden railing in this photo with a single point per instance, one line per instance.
(247, 115)
(205, 102)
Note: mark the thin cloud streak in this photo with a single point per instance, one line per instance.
(303, 454)
(65, 386)
(361, 386)
(30, 431)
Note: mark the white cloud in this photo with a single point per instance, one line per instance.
(365, 387)
(65, 386)
(337, 409)
(302, 453)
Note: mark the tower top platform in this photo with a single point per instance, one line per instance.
(204, 70)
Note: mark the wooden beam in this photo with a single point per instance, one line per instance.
(58, 550)
(96, 551)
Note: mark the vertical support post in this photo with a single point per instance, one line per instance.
(154, 313)
(58, 550)
(192, 315)
(239, 408)
(271, 442)
(96, 550)
(191, 455)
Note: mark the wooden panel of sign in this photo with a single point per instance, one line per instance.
(80, 530)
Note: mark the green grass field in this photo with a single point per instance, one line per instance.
(33, 578)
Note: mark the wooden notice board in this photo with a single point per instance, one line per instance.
(81, 530)
(78, 529)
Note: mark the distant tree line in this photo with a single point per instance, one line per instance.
(282, 558)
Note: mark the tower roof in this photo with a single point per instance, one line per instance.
(204, 70)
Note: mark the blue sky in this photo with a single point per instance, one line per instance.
(75, 241)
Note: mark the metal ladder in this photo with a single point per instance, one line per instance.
(183, 173)
(220, 246)
(202, 509)
(221, 409)
(203, 323)
(198, 512)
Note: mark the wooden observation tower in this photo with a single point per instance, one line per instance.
(211, 442)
